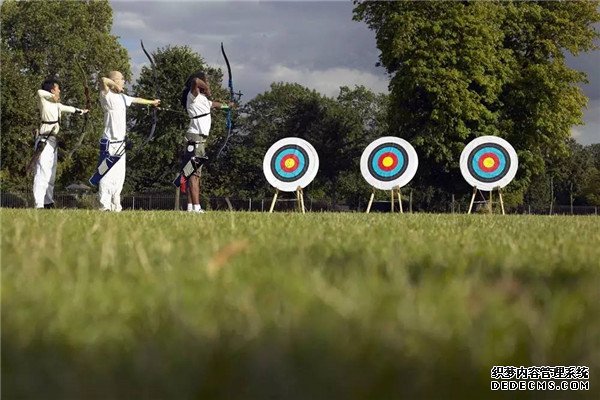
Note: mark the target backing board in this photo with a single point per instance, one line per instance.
(388, 163)
(488, 163)
(289, 163)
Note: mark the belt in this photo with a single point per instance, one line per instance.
(113, 141)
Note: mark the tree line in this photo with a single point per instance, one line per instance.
(457, 70)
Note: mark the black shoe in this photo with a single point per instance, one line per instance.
(51, 205)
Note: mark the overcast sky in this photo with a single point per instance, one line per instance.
(313, 43)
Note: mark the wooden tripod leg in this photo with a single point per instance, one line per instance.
(501, 201)
(400, 201)
(472, 200)
(392, 203)
(229, 205)
(302, 201)
(371, 201)
(274, 199)
(491, 202)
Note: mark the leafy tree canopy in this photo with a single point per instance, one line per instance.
(67, 40)
(465, 69)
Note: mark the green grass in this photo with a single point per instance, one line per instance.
(317, 306)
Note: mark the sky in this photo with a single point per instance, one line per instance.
(313, 43)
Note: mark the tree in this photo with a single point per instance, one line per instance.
(579, 167)
(371, 110)
(571, 174)
(591, 190)
(572, 178)
(67, 40)
(265, 122)
(339, 129)
(466, 69)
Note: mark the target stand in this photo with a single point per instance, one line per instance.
(488, 163)
(290, 165)
(394, 192)
(299, 200)
(388, 163)
(484, 201)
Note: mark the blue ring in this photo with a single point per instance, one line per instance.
(488, 175)
(393, 174)
(300, 170)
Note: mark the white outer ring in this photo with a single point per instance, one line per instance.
(506, 179)
(313, 160)
(402, 180)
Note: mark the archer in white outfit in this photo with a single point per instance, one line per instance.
(114, 103)
(46, 143)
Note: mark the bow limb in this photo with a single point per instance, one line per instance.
(228, 121)
(88, 106)
(155, 83)
(229, 84)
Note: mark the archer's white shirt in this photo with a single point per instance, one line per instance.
(198, 106)
(115, 114)
(50, 111)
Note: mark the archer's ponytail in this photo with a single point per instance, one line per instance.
(188, 86)
(183, 98)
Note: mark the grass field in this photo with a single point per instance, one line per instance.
(167, 305)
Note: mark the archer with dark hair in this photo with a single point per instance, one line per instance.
(49, 83)
(45, 156)
(195, 100)
(188, 86)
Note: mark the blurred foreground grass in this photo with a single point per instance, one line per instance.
(319, 306)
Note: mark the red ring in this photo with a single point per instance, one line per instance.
(383, 156)
(492, 156)
(287, 157)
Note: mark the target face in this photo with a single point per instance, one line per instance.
(388, 163)
(289, 163)
(488, 162)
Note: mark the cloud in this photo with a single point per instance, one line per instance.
(128, 21)
(328, 81)
(316, 44)
(588, 63)
(590, 132)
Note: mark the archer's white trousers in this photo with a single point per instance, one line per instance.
(111, 184)
(45, 175)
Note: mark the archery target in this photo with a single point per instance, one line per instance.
(289, 163)
(388, 163)
(488, 162)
